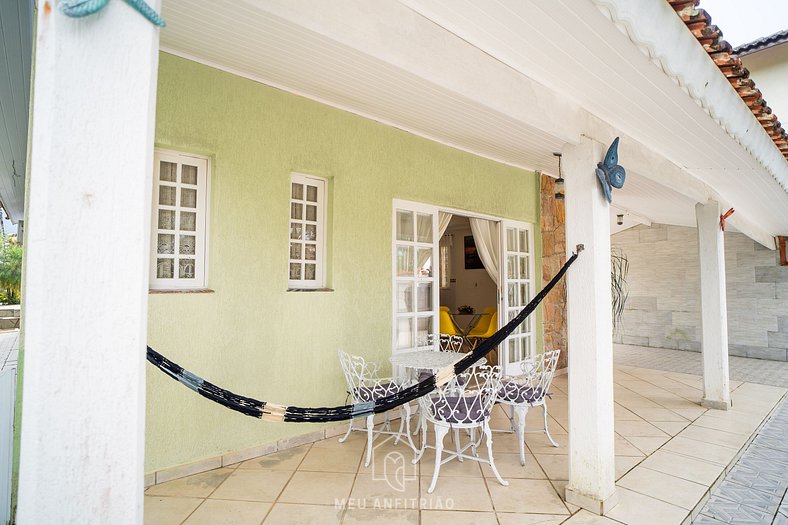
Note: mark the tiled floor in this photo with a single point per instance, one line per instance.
(669, 450)
(9, 349)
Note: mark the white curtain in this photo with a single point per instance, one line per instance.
(445, 250)
(487, 239)
(443, 222)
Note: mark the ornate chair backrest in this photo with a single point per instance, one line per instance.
(534, 381)
(466, 400)
(446, 342)
(357, 371)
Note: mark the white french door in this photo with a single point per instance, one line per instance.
(517, 288)
(415, 275)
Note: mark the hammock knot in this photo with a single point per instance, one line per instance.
(82, 8)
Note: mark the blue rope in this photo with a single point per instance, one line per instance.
(80, 8)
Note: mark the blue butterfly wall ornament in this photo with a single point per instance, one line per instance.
(609, 173)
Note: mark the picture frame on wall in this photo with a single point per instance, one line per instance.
(472, 259)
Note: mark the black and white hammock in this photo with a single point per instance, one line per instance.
(272, 412)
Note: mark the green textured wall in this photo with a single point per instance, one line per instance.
(251, 335)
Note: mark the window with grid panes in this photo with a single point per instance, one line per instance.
(179, 222)
(306, 268)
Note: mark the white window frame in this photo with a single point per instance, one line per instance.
(322, 216)
(200, 280)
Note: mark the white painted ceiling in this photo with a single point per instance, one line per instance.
(507, 80)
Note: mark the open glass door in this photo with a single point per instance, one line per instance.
(516, 291)
(415, 256)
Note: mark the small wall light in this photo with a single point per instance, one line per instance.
(559, 182)
(620, 219)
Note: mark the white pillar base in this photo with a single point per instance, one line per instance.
(592, 503)
(715, 404)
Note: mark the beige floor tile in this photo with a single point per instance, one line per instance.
(317, 488)
(510, 518)
(168, 510)
(392, 492)
(718, 437)
(648, 445)
(586, 518)
(539, 444)
(457, 517)
(375, 516)
(223, 512)
(638, 429)
(467, 467)
(637, 509)
(330, 459)
(670, 428)
(679, 492)
(253, 485)
(556, 467)
(384, 453)
(700, 450)
(457, 494)
(624, 414)
(508, 465)
(196, 485)
(683, 467)
(355, 439)
(690, 413)
(526, 496)
(623, 447)
(657, 414)
(295, 514)
(745, 426)
(284, 460)
(624, 464)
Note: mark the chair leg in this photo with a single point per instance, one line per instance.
(423, 424)
(440, 433)
(418, 420)
(521, 411)
(546, 431)
(349, 430)
(457, 443)
(370, 426)
(488, 434)
(473, 443)
(406, 409)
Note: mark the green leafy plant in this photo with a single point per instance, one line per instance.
(10, 271)
(619, 268)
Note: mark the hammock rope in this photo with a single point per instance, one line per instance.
(273, 412)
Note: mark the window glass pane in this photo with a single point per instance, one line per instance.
(424, 297)
(164, 268)
(166, 243)
(511, 239)
(524, 273)
(310, 232)
(524, 241)
(424, 227)
(423, 328)
(295, 250)
(311, 212)
(511, 266)
(295, 271)
(297, 191)
(404, 297)
(186, 244)
(166, 220)
(188, 174)
(296, 210)
(512, 346)
(512, 293)
(525, 294)
(405, 333)
(311, 193)
(404, 226)
(167, 195)
(188, 198)
(188, 221)
(310, 272)
(310, 253)
(295, 230)
(424, 268)
(404, 260)
(186, 268)
(167, 171)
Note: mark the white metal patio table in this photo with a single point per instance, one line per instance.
(428, 359)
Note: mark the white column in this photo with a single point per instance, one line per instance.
(590, 328)
(713, 307)
(87, 249)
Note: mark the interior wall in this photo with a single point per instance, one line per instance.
(471, 287)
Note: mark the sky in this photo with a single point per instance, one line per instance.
(743, 21)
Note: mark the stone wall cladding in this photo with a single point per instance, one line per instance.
(552, 221)
(663, 309)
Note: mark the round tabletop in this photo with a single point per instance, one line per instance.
(428, 359)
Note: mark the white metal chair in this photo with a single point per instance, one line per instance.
(529, 389)
(464, 403)
(446, 342)
(364, 385)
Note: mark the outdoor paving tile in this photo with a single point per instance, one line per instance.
(384, 492)
(376, 516)
(252, 485)
(734, 513)
(624, 414)
(168, 510)
(683, 467)
(317, 488)
(700, 450)
(637, 509)
(717, 437)
(702, 519)
(329, 459)
(453, 468)
(508, 518)
(739, 426)
(766, 501)
(457, 494)
(223, 512)
(758, 480)
(780, 519)
(638, 429)
(648, 445)
(623, 447)
(770, 454)
(457, 517)
(197, 485)
(295, 514)
(586, 518)
(556, 467)
(284, 460)
(658, 414)
(508, 465)
(665, 487)
(671, 428)
(761, 465)
(531, 495)
(624, 464)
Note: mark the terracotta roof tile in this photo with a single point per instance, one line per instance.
(698, 21)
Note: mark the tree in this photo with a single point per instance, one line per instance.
(11, 270)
